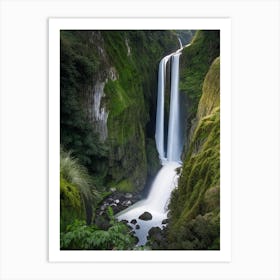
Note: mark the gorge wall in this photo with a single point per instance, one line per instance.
(108, 86)
(194, 216)
(195, 204)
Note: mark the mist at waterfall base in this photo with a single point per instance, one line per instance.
(166, 179)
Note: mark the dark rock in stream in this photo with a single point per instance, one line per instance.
(146, 216)
(157, 238)
(137, 227)
(133, 221)
(164, 222)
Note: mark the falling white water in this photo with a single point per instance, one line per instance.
(180, 42)
(166, 180)
(156, 203)
(174, 148)
(159, 135)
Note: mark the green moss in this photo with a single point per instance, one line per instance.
(78, 195)
(119, 100)
(128, 100)
(211, 90)
(152, 157)
(194, 65)
(86, 57)
(202, 167)
(200, 233)
(71, 205)
(125, 186)
(195, 204)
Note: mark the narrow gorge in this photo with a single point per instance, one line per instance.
(155, 206)
(139, 167)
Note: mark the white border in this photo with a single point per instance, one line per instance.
(55, 25)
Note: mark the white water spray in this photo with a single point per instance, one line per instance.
(166, 180)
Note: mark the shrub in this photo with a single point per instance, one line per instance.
(79, 236)
(77, 192)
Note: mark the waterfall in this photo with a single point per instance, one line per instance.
(166, 180)
(159, 135)
(174, 143)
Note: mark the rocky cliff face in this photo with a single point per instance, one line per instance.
(195, 204)
(195, 62)
(108, 94)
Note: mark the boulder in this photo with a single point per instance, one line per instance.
(133, 221)
(155, 233)
(146, 216)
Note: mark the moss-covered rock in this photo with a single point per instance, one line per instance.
(195, 205)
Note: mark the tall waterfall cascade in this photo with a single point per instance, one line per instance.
(169, 153)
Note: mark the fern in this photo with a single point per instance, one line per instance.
(76, 174)
(80, 236)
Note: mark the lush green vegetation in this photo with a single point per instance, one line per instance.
(185, 35)
(78, 65)
(126, 62)
(130, 98)
(78, 201)
(77, 191)
(195, 204)
(80, 236)
(195, 62)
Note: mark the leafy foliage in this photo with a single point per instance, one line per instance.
(194, 64)
(72, 171)
(77, 191)
(71, 206)
(88, 57)
(78, 65)
(201, 233)
(79, 236)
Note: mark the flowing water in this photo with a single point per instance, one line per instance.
(174, 143)
(166, 180)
